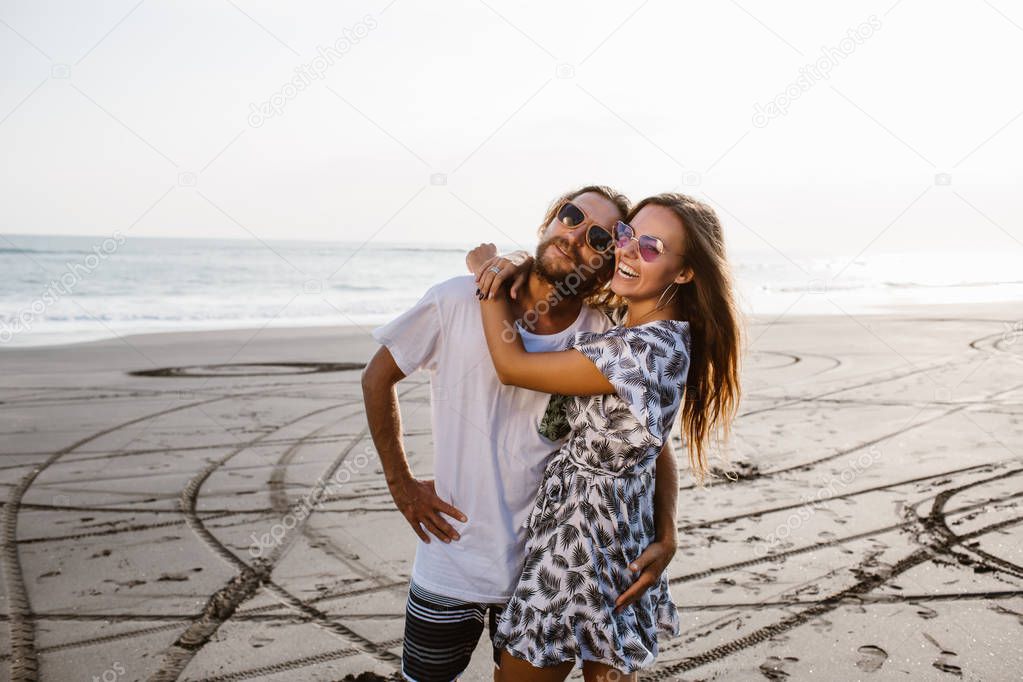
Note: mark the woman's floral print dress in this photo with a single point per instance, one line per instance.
(594, 511)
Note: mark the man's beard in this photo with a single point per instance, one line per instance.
(576, 278)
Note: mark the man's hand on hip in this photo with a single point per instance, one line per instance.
(419, 503)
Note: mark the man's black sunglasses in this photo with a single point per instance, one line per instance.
(598, 238)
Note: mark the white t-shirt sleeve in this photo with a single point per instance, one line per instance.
(413, 338)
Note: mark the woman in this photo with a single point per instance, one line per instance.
(594, 509)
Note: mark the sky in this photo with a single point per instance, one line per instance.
(813, 128)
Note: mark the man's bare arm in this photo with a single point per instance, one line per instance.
(417, 500)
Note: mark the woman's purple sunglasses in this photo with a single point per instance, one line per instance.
(649, 247)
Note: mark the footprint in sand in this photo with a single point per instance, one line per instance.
(871, 658)
(774, 668)
(944, 662)
(1008, 612)
(259, 641)
(945, 665)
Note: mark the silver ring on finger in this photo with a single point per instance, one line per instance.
(494, 269)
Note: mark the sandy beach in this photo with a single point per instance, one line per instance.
(209, 506)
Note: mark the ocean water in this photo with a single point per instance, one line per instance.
(58, 289)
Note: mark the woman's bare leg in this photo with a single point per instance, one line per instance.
(598, 672)
(517, 670)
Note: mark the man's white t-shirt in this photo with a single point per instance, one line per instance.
(489, 456)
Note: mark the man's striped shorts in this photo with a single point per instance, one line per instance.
(441, 634)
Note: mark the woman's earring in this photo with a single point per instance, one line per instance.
(661, 305)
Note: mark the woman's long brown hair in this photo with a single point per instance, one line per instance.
(708, 303)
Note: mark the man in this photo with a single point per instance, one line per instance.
(491, 442)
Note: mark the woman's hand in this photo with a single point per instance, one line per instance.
(647, 569)
(475, 259)
(513, 267)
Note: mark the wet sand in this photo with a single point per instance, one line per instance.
(227, 520)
